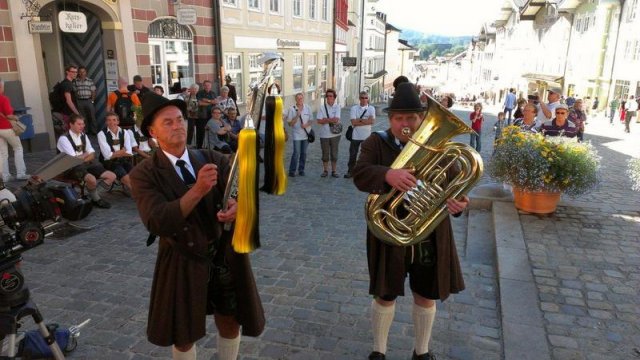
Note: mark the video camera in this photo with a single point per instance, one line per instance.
(25, 215)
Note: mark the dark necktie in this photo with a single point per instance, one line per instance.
(188, 179)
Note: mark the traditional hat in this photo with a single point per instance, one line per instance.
(152, 103)
(406, 99)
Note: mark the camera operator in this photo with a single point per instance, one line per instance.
(76, 143)
(547, 111)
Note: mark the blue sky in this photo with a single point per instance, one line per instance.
(445, 17)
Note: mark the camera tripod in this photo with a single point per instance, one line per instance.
(15, 304)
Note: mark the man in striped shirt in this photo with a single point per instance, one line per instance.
(86, 95)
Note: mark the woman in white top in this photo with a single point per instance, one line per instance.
(224, 101)
(299, 119)
(329, 119)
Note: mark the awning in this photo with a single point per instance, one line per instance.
(553, 79)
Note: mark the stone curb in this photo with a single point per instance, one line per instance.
(523, 331)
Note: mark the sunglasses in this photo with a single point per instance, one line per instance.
(364, 98)
(561, 113)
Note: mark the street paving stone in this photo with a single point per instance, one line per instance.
(585, 259)
(311, 274)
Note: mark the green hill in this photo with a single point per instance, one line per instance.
(432, 45)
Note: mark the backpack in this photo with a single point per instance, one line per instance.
(124, 108)
(56, 98)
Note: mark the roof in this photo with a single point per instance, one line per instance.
(392, 28)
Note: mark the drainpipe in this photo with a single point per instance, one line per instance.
(218, 38)
(612, 86)
(333, 48)
(360, 47)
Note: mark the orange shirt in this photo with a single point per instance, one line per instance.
(111, 101)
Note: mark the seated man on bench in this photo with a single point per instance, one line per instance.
(116, 150)
(76, 143)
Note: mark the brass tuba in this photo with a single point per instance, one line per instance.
(407, 218)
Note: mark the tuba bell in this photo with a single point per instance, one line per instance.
(407, 218)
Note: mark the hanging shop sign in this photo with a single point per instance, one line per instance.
(187, 16)
(72, 22)
(40, 27)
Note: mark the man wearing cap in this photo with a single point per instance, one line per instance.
(547, 111)
(560, 125)
(178, 193)
(432, 265)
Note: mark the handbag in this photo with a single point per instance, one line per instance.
(17, 126)
(334, 128)
(349, 134)
(311, 135)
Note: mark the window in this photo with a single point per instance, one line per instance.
(311, 71)
(631, 13)
(312, 9)
(325, 10)
(297, 73)
(230, 3)
(274, 6)
(255, 69)
(170, 55)
(323, 72)
(297, 8)
(233, 68)
(622, 88)
(253, 4)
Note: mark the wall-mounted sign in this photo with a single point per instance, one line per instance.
(40, 27)
(349, 61)
(187, 16)
(288, 44)
(72, 22)
(111, 69)
(110, 54)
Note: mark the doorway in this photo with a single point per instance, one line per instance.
(171, 55)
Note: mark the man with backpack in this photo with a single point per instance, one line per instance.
(122, 102)
(138, 87)
(63, 100)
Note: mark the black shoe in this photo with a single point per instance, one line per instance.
(101, 203)
(427, 356)
(377, 356)
(347, 176)
(300, 173)
(292, 174)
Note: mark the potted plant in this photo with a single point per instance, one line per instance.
(633, 171)
(541, 168)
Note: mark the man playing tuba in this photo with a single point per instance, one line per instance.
(432, 265)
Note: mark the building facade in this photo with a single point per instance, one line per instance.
(120, 38)
(300, 31)
(625, 77)
(373, 54)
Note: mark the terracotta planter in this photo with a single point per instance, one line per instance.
(535, 202)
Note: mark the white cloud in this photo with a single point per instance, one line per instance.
(446, 17)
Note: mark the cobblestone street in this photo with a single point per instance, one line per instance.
(312, 276)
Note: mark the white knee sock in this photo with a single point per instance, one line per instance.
(422, 324)
(189, 355)
(381, 319)
(228, 348)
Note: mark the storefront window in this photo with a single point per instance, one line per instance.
(233, 68)
(311, 71)
(171, 55)
(297, 73)
(323, 72)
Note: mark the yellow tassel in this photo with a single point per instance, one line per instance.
(280, 143)
(245, 235)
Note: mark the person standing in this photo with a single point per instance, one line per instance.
(510, 104)
(192, 111)
(613, 107)
(138, 87)
(9, 137)
(225, 102)
(122, 102)
(299, 119)
(178, 193)
(559, 126)
(631, 107)
(68, 95)
(328, 117)
(206, 99)
(476, 124)
(579, 118)
(432, 265)
(232, 90)
(547, 111)
(362, 117)
(85, 91)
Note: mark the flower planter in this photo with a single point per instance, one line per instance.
(535, 202)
